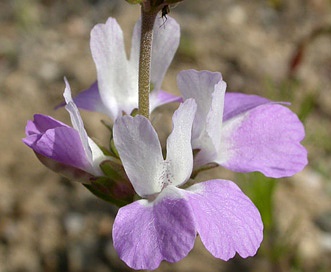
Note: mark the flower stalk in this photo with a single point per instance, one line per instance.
(145, 58)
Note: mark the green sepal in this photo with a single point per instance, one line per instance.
(134, 112)
(113, 148)
(105, 151)
(114, 187)
(133, 2)
(151, 86)
(112, 152)
(118, 192)
(114, 171)
(102, 188)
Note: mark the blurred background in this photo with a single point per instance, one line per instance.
(279, 49)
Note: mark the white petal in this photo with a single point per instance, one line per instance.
(179, 150)
(199, 85)
(76, 119)
(93, 153)
(165, 44)
(117, 82)
(135, 45)
(140, 151)
(215, 114)
(208, 89)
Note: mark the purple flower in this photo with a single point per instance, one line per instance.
(163, 224)
(256, 134)
(116, 89)
(62, 148)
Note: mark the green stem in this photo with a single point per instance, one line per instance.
(145, 58)
(203, 168)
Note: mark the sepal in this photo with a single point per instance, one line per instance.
(114, 170)
(134, 2)
(114, 187)
(115, 193)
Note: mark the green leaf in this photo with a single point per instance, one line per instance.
(307, 106)
(260, 190)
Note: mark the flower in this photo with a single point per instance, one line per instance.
(256, 134)
(116, 88)
(62, 148)
(164, 224)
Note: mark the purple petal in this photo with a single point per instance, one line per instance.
(90, 100)
(140, 151)
(41, 123)
(147, 232)
(266, 139)
(179, 160)
(226, 220)
(237, 103)
(61, 144)
(117, 80)
(161, 98)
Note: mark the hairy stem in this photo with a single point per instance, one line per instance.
(145, 58)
